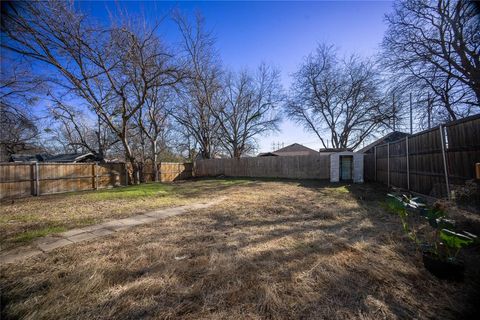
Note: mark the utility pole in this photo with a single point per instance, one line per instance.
(429, 111)
(394, 111)
(411, 115)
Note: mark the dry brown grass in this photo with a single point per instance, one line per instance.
(23, 220)
(280, 250)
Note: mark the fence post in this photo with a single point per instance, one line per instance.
(95, 170)
(442, 141)
(375, 152)
(37, 180)
(388, 164)
(408, 164)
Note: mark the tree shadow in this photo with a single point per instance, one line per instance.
(323, 251)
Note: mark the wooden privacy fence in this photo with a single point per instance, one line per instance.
(26, 179)
(169, 171)
(294, 167)
(432, 162)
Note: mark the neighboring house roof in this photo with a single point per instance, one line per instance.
(335, 150)
(391, 137)
(72, 157)
(41, 157)
(295, 149)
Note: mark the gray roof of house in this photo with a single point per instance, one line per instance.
(391, 137)
(29, 157)
(69, 157)
(44, 157)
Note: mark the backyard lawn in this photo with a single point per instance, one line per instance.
(272, 249)
(23, 220)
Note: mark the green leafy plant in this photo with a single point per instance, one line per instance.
(442, 241)
(453, 242)
(399, 205)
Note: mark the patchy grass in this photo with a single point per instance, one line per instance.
(30, 235)
(24, 220)
(280, 250)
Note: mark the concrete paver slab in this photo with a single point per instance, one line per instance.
(47, 247)
(17, 255)
(102, 232)
(130, 221)
(72, 232)
(82, 237)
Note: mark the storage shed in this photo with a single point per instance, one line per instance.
(346, 166)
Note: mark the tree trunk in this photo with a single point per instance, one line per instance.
(131, 158)
(155, 161)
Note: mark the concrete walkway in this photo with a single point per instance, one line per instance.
(49, 243)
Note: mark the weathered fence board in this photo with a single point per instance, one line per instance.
(20, 179)
(437, 160)
(26, 179)
(169, 171)
(293, 167)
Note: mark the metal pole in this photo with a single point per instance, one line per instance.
(442, 140)
(375, 151)
(388, 164)
(408, 164)
(429, 111)
(411, 117)
(394, 111)
(37, 180)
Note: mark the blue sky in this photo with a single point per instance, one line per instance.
(278, 33)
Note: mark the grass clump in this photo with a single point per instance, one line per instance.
(33, 234)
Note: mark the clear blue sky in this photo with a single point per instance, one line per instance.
(278, 33)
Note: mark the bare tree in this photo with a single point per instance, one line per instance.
(338, 97)
(153, 123)
(110, 69)
(19, 90)
(434, 46)
(200, 92)
(79, 133)
(249, 108)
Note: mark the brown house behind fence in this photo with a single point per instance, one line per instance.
(295, 149)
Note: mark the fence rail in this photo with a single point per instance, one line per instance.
(432, 162)
(35, 179)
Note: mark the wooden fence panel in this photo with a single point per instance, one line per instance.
(172, 171)
(57, 178)
(20, 179)
(110, 175)
(463, 149)
(426, 163)
(17, 180)
(425, 171)
(293, 167)
(398, 164)
(369, 167)
(382, 164)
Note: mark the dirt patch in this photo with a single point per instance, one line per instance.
(280, 250)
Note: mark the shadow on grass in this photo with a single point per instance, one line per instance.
(323, 251)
